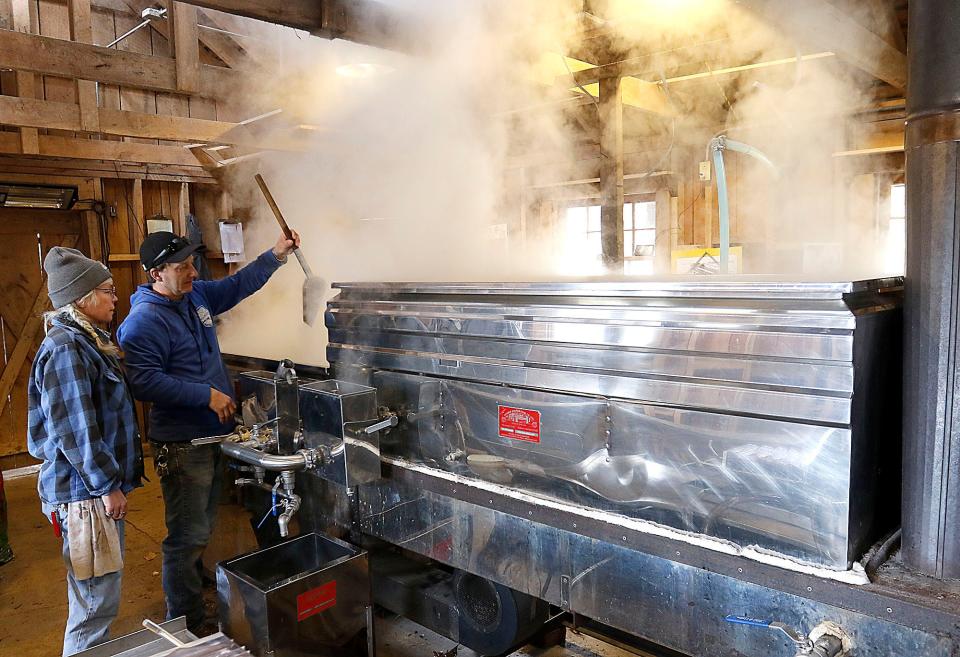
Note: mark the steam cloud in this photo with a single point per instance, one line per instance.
(446, 164)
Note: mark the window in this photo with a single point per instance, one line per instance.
(583, 247)
(639, 229)
(896, 242)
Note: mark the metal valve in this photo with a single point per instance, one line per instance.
(826, 640)
(803, 644)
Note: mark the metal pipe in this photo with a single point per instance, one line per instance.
(931, 390)
(717, 146)
(127, 33)
(273, 462)
(243, 481)
(747, 149)
(291, 501)
(723, 206)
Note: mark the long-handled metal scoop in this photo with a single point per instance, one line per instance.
(313, 287)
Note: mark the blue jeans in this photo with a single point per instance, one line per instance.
(92, 604)
(190, 481)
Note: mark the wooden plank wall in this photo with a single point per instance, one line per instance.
(125, 226)
(698, 217)
(130, 195)
(51, 18)
(25, 235)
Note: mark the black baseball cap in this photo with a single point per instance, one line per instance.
(162, 247)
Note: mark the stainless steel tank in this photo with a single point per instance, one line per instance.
(756, 415)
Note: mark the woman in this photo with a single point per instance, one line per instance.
(82, 423)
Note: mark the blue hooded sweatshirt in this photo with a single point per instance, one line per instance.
(172, 356)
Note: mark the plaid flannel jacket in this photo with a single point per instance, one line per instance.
(81, 420)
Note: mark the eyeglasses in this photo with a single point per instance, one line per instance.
(112, 291)
(172, 247)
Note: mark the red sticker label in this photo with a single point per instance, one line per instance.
(519, 424)
(316, 600)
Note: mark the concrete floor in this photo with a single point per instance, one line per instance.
(33, 587)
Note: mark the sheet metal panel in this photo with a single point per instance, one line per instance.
(730, 409)
(669, 602)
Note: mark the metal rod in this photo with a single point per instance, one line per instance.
(228, 32)
(371, 634)
(159, 631)
(124, 36)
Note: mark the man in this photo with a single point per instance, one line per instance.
(173, 360)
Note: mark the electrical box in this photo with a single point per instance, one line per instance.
(705, 171)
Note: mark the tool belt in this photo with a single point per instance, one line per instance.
(164, 453)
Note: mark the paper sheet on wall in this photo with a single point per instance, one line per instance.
(158, 224)
(231, 241)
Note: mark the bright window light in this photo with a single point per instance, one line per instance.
(583, 249)
(896, 242)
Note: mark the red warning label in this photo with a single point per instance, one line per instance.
(519, 424)
(316, 600)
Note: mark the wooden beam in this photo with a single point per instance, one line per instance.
(29, 112)
(15, 166)
(49, 56)
(885, 23)
(878, 16)
(26, 82)
(234, 53)
(821, 23)
(81, 26)
(363, 21)
(156, 126)
(301, 14)
(136, 195)
(221, 45)
(81, 30)
(186, 46)
(611, 173)
(112, 151)
(665, 237)
(68, 116)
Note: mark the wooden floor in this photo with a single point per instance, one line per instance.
(33, 605)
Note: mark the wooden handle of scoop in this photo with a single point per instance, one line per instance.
(273, 206)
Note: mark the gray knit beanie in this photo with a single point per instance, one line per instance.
(70, 275)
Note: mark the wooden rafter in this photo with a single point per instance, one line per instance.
(28, 112)
(301, 14)
(363, 21)
(186, 46)
(13, 165)
(26, 81)
(830, 28)
(224, 46)
(111, 151)
(81, 30)
(885, 23)
(221, 45)
(49, 56)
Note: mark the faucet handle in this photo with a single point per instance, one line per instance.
(803, 644)
(386, 423)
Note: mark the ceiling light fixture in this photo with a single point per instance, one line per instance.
(52, 197)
